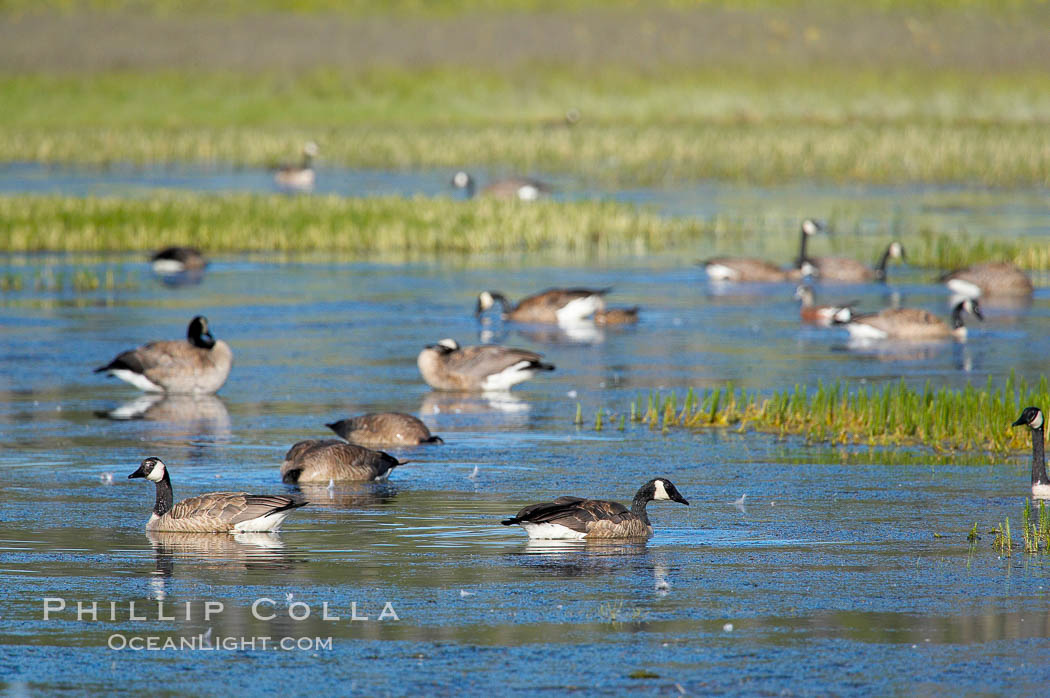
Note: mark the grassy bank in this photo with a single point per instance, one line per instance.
(766, 92)
(969, 419)
(405, 229)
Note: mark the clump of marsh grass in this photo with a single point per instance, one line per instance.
(970, 419)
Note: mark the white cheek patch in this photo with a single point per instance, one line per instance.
(449, 344)
(157, 474)
(1037, 423)
(661, 491)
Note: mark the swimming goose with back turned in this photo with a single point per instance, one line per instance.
(553, 306)
(1032, 417)
(759, 270)
(486, 367)
(215, 512)
(178, 260)
(575, 518)
(820, 315)
(198, 365)
(321, 460)
(912, 323)
(521, 188)
(992, 279)
(299, 177)
(384, 429)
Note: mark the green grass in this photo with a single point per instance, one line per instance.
(401, 229)
(769, 91)
(860, 127)
(1035, 531)
(971, 419)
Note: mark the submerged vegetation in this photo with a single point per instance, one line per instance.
(942, 419)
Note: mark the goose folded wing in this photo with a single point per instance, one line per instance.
(489, 360)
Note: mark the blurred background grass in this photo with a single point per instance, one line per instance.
(928, 91)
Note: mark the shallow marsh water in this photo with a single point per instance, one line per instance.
(827, 578)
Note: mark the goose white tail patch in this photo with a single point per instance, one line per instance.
(964, 288)
(720, 272)
(1041, 491)
(137, 379)
(551, 531)
(167, 267)
(858, 330)
(510, 376)
(528, 192)
(578, 309)
(270, 522)
(661, 491)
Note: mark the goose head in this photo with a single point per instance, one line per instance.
(811, 226)
(310, 149)
(444, 346)
(487, 299)
(969, 305)
(661, 489)
(804, 293)
(896, 251)
(1031, 417)
(152, 469)
(198, 333)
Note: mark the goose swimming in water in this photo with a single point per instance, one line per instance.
(553, 306)
(486, 367)
(575, 518)
(380, 429)
(820, 315)
(759, 270)
(1032, 417)
(298, 177)
(521, 188)
(215, 512)
(200, 364)
(178, 260)
(324, 460)
(912, 323)
(992, 279)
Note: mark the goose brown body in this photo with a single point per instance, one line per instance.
(751, 269)
(579, 518)
(992, 279)
(322, 460)
(820, 315)
(521, 188)
(847, 270)
(178, 259)
(912, 323)
(199, 364)
(448, 366)
(214, 512)
(384, 429)
(547, 307)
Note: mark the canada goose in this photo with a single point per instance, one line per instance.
(846, 270)
(177, 260)
(575, 518)
(912, 323)
(384, 429)
(822, 315)
(214, 512)
(521, 188)
(992, 279)
(198, 365)
(1032, 417)
(298, 177)
(616, 316)
(321, 460)
(447, 366)
(759, 270)
(553, 306)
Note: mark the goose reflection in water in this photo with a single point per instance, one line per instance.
(348, 495)
(200, 413)
(230, 552)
